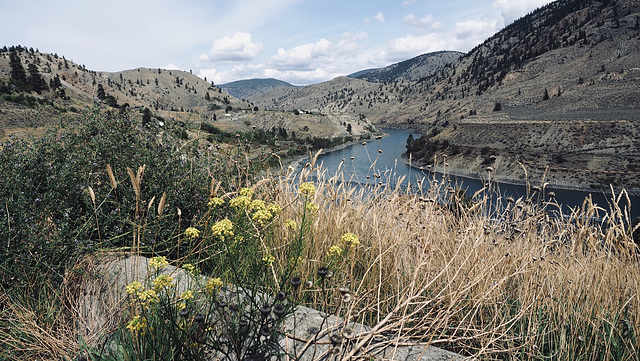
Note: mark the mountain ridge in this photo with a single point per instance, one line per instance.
(245, 88)
(413, 69)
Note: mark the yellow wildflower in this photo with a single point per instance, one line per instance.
(268, 259)
(137, 324)
(240, 202)
(294, 262)
(290, 224)
(247, 192)
(158, 262)
(133, 287)
(311, 208)
(192, 232)
(274, 209)
(161, 282)
(334, 251)
(147, 296)
(257, 205)
(307, 189)
(187, 295)
(213, 285)
(261, 217)
(189, 268)
(215, 202)
(222, 228)
(350, 239)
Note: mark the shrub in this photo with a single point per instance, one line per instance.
(51, 187)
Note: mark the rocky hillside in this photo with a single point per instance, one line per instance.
(168, 93)
(368, 93)
(414, 69)
(66, 88)
(243, 89)
(556, 91)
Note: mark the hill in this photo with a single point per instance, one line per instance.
(167, 93)
(359, 74)
(367, 93)
(243, 89)
(171, 95)
(413, 69)
(555, 91)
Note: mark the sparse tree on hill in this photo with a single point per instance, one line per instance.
(55, 82)
(100, 93)
(36, 82)
(546, 95)
(18, 75)
(497, 107)
(146, 116)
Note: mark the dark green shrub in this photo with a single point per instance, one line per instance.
(50, 217)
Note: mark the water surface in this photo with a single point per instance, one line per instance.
(379, 161)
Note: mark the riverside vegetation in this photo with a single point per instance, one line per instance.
(495, 281)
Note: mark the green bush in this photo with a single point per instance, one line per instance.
(59, 201)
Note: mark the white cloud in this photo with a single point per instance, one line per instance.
(407, 47)
(351, 43)
(171, 66)
(408, 2)
(472, 32)
(379, 17)
(422, 24)
(514, 9)
(237, 71)
(303, 64)
(301, 77)
(239, 47)
(211, 75)
(302, 57)
(464, 36)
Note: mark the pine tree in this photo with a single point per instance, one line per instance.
(100, 93)
(18, 75)
(546, 95)
(36, 82)
(146, 116)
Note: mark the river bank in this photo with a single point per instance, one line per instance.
(505, 179)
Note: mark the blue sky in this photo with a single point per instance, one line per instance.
(299, 41)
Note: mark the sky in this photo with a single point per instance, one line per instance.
(298, 41)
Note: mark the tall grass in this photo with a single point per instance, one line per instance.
(493, 280)
(508, 281)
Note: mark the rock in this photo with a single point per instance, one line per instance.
(308, 333)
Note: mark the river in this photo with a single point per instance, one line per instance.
(380, 161)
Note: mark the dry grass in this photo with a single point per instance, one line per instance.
(59, 321)
(512, 282)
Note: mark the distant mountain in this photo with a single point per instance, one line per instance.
(243, 89)
(359, 74)
(368, 93)
(410, 70)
